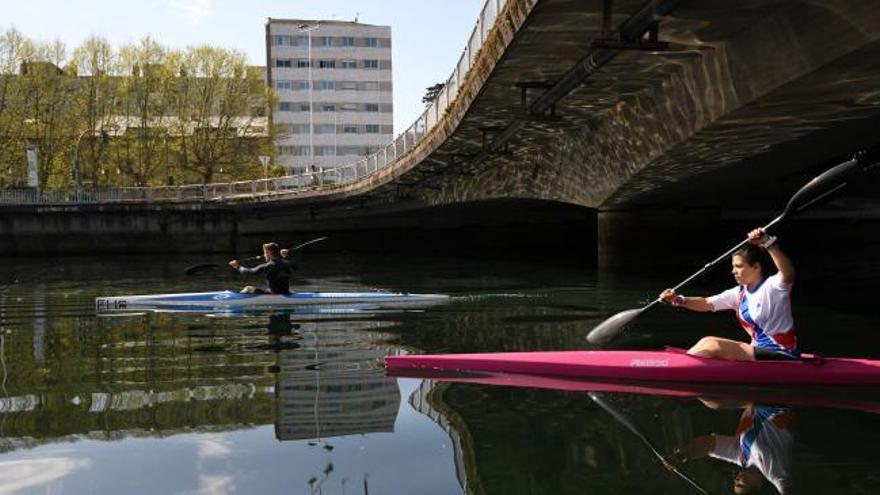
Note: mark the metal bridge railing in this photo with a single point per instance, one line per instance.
(308, 181)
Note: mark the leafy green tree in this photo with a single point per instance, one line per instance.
(98, 97)
(143, 107)
(218, 105)
(47, 96)
(14, 49)
(431, 93)
(139, 115)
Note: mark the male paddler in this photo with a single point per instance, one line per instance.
(278, 269)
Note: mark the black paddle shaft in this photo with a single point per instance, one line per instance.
(628, 423)
(817, 189)
(191, 270)
(717, 260)
(822, 186)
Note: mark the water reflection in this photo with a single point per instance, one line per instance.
(270, 403)
(324, 375)
(331, 385)
(762, 447)
(210, 385)
(513, 433)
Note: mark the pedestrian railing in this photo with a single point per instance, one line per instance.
(308, 181)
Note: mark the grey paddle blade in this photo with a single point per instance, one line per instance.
(612, 327)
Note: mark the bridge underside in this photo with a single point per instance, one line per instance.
(755, 98)
(709, 128)
(711, 123)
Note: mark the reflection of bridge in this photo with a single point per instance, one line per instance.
(620, 109)
(419, 400)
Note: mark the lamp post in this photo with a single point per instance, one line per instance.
(264, 160)
(308, 28)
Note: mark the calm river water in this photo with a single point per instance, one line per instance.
(299, 403)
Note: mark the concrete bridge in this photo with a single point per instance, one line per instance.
(575, 122)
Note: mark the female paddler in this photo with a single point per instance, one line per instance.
(762, 303)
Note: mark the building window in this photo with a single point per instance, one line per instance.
(347, 41)
(328, 107)
(348, 85)
(325, 129)
(300, 85)
(325, 150)
(299, 128)
(281, 84)
(371, 86)
(327, 64)
(347, 150)
(347, 64)
(349, 107)
(371, 64)
(372, 128)
(301, 41)
(287, 150)
(371, 42)
(303, 107)
(323, 40)
(282, 40)
(284, 106)
(349, 129)
(371, 107)
(283, 62)
(324, 85)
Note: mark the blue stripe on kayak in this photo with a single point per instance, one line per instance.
(237, 296)
(342, 308)
(208, 296)
(344, 295)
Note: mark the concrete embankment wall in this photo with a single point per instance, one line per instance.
(84, 229)
(502, 227)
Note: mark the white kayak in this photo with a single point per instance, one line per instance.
(230, 301)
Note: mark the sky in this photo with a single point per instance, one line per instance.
(427, 37)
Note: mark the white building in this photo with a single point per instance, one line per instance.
(338, 108)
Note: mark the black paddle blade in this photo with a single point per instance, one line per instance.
(829, 181)
(612, 327)
(192, 270)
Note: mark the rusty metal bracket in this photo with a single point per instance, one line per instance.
(525, 86)
(646, 43)
(607, 11)
(455, 157)
(485, 130)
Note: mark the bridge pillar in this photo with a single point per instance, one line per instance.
(656, 237)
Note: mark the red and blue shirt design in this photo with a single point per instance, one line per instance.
(764, 312)
(763, 441)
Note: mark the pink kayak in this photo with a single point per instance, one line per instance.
(865, 399)
(670, 365)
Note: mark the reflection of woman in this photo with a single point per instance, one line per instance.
(762, 447)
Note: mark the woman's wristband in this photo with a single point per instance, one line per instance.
(771, 240)
(678, 300)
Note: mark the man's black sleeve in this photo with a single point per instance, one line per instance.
(255, 270)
